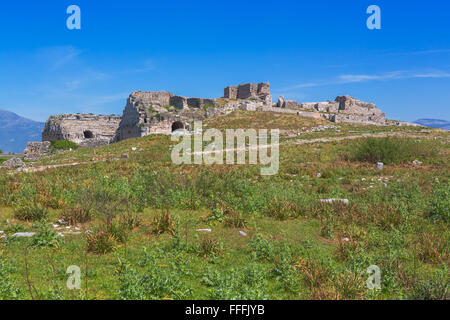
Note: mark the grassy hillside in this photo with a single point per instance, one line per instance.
(133, 222)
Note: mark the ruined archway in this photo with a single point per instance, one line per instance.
(177, 125)
(88, 134)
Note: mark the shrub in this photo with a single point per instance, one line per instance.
(440, 202)
(262, 248)
(432, 288)
(155, 283)
(281, 209)
(8, 287)
(30, 211)
(100, 242)
(45, 237)
(210, 247)
(130, 220)
(163, 223)
(77, 214)
(63, 145)
(242, 283)
(389, 150)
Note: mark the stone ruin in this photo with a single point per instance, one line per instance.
(86, 130)
(35, 150)
(259, 92)
(342, 109)
(162, 112)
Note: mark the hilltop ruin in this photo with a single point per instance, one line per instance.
(85, 130)
(162, 112)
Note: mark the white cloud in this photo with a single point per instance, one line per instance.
(359, 78)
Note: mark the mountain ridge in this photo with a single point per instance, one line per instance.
(434, 123)
(17, 131)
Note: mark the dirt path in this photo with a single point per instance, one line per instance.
(291, 141)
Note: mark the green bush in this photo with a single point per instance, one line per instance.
(8, 287)
(434, 287)
(100, 242)
(261, 248)
(389, 150)
(63, 145)
(30, 211)
(240, 283)
(45, 237)
(440, 202)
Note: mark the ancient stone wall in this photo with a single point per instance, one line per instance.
(35, 150)
(255, 91)
(342, 109)
(81, 128)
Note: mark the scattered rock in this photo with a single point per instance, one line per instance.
(380, 165)
(13, 163)
(133, 149)
(346, 239)
(319, 175)
(242, 233)
(23, 235)
(345, 201)
(417, 162)
(204, 230)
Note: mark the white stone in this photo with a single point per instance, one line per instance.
(23, 235)
(345, 201)
(204, 230)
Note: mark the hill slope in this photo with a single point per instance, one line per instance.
(16, 131)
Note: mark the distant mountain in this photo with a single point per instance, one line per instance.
(434, 123)
(16, 131)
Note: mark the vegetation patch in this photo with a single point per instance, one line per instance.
(63, 145)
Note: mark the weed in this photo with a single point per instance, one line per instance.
(45, 237)
(100, 242)
(30, 211)
(163, 223)
(389, 150)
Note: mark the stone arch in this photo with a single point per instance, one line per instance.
(177, 125)
(88, 134)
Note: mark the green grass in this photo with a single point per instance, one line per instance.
(391, 150)
(143, 214)
(63, 145)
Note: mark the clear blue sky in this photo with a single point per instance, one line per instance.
(308, 50)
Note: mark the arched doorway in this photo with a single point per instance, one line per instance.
(177, 125)
(88, 134)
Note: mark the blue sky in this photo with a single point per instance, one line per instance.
(308, 50)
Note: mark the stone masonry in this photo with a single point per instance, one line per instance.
(342, 109)
(83, 129)
(162, 112)
(35, 150)
(253, 91)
